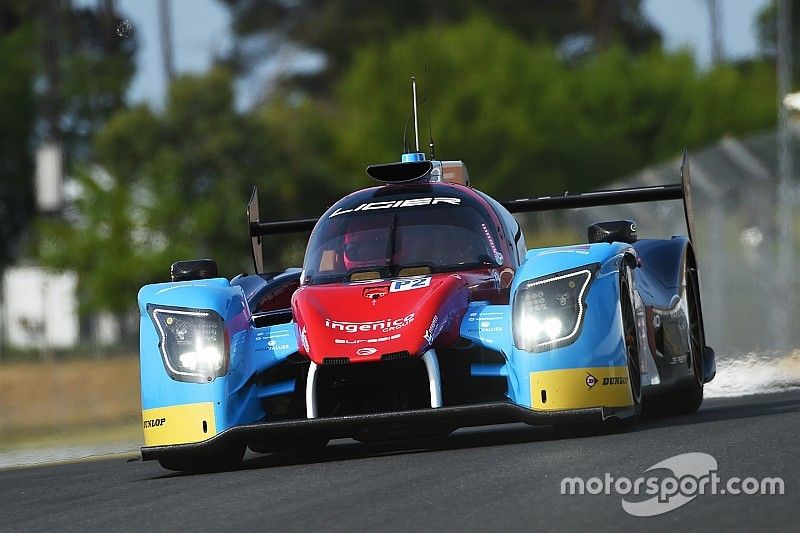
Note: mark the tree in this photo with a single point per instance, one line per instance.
(526, 122)
(340, 29)
(83, 69)
(767, 30)
(171, 186)
(18, 111)
(87, 68)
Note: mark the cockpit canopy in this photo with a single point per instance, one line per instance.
(401, 231)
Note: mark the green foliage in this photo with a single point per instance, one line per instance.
(81, 71)
(169, 186)
(766, 26)
(340, 29)
(90, 72)
(17, 114)
(525, 122)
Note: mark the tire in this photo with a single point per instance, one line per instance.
(631, 350)
(228, 460)
(687, 400)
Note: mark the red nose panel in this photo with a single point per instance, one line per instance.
(380, 319)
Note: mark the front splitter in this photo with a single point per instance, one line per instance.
(451, 417)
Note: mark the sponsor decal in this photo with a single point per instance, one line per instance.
(187, 423)
(155, 422)
(485, 322)
(359, 341)
(274, 340)
(591, 381)
(581, 249)
(678, 360)
(271, 335)
(428, 335)
(273, 346)
(394, 204)
(409, 284)
(485, 329)
(373, 293)
(484, 317)
(385, 326)
(366, 351)
(304, 339)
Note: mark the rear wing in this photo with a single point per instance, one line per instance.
(678, 191)
(658, 193)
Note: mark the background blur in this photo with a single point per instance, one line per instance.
(132, 131)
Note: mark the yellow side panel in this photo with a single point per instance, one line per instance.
(178, 424)
(576, 388)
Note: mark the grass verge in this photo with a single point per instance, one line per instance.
(69, 402)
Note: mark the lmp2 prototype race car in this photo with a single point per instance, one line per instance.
(419, 310)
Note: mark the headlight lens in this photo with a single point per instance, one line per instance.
(549, 311)
(193, 343)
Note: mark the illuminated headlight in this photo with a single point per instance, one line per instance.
(549, 311)
(193, 343)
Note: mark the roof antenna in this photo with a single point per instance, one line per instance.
(428, 110)
(413, 156)
(416, 125)
(405, 142)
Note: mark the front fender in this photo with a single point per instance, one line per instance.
(591, 371)
(181, 412)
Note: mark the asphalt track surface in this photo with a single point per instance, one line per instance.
(489, 479)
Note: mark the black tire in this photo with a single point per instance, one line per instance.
(228, 460)
(631, 350)
(687, 400)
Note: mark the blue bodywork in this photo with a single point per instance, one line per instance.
(600, 341)
(235, 395)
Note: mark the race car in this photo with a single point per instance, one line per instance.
(419, 310)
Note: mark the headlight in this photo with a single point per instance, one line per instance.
(549, 311)
(193, 343)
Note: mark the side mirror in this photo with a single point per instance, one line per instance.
(193, 269)
(613, 231)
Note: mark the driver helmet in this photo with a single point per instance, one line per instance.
(364, 247)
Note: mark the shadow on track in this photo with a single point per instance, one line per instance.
(348, 450)
(510, 434)
(720, 409)
(345, 449)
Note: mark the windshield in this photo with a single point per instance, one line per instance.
(352, 245)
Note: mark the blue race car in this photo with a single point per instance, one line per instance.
(419, 310)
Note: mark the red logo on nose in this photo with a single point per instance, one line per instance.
(373, 293)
